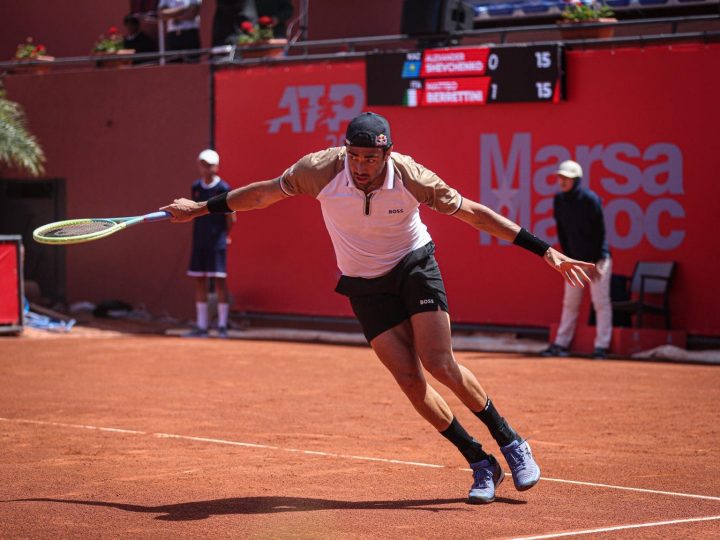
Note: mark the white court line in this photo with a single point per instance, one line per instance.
(215, 441)
(618, 528)
(80, 426)
(334, 455)
(641, 490)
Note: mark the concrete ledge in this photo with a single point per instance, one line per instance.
(490, 342)
(625, 341)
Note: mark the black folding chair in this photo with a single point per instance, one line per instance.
(649, 291)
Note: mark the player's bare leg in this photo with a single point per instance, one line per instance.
(394, 348)
(432, 341)
(396, 351)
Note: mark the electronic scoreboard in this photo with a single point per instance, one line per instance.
(466, 76)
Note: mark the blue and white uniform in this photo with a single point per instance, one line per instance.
(209, 243)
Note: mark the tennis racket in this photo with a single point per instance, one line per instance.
(77, 231)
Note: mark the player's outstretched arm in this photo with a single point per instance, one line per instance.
(251, 197)
(484, 219)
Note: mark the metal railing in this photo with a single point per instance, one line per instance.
(301, 51)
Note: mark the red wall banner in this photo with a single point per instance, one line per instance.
(641, 122)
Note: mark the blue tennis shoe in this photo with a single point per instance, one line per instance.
(525, 471)
(487, 475)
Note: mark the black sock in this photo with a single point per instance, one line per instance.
(469, 447)
(498, 426)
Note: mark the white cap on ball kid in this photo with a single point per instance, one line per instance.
(210, 157)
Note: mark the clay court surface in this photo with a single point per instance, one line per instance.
(155, 437)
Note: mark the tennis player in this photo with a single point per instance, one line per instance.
(369, 197)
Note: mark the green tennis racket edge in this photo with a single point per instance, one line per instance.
(77, 231)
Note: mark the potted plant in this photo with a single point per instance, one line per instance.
(32, 58)
(576, 13)
(110, 50)
(251, 36)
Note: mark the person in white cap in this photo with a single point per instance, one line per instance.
(581, 231)
(209, 248)
(370, 198)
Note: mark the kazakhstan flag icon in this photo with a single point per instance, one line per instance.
(411, 69)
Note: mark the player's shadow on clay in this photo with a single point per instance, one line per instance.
(269, 505)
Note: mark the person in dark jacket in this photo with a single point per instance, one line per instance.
(136, 39)
(581, 231)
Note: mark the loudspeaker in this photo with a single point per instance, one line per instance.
(458, 15)
(421, 16)
(427, 17)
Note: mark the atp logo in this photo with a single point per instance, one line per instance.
(311, 107)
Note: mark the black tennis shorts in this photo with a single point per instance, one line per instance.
(414, 285)
(208, 262)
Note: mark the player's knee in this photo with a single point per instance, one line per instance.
(412, 384)
(443, 368)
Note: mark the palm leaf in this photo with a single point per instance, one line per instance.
(18, 147)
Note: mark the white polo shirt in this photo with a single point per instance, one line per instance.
(370, 233)
(174, 25)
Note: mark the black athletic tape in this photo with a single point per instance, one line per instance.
(525, 239)
(218, 204)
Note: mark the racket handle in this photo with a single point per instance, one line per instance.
(156, 216)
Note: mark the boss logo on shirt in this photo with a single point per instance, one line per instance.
(427, 301)
(395, 211)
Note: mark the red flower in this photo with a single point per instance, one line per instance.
(265, 21)
(112, 30)
(40, 49)
(246, 26)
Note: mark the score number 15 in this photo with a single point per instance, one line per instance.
(543, 60)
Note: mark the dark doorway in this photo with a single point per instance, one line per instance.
(24, 206)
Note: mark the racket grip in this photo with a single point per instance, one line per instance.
(156, 216)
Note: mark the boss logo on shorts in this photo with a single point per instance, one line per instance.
(396, 211)
(427, 301)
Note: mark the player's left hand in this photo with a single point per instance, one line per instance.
(574, 272)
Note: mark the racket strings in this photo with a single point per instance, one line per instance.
(78, 229)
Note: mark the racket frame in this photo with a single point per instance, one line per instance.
(120, 223)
